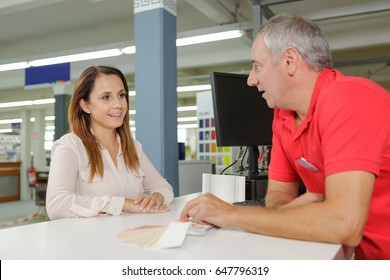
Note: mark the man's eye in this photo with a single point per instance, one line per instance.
(256, 67)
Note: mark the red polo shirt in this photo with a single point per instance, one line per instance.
(347, 128)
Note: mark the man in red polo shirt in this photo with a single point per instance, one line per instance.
(330, 130)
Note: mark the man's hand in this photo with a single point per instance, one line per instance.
(208, 209)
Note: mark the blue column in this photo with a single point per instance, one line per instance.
(156, 83)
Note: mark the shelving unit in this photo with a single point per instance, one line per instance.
(9, 147)
(9, 167)
(9, 181)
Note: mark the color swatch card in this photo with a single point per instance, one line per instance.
(198, 229)
(159, 236)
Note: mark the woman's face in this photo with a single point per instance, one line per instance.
(107, 104)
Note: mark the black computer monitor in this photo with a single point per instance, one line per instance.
(242, 117)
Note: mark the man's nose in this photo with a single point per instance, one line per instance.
(251, 81)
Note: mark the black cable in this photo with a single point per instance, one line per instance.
(238, 157)
(241, 167)
(228, 167)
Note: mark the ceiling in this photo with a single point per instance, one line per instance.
(358, 33)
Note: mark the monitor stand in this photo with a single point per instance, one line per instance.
(253, 165)
(255, 181)
(255, 189)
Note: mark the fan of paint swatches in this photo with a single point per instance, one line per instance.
(159, 236)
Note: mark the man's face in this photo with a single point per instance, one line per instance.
(265, 75)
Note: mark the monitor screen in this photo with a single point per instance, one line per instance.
(242, 116)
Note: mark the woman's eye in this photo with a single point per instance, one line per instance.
(106, 97)
(122, 95)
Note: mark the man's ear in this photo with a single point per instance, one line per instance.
(84, 106)
(291, 57)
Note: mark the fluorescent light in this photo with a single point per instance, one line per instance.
(116, 51)
(180, 109)
(6, 130)
(183, 89)
(187, 125)
(14, 66)
(187, 108)
(27, 103)
(187, 119)
(208, 38)
(76, 57)
(128, 50)
(193, 88)
(212, 37)
(49, 127)
(15, 104)
(44, 101)
(7, 121)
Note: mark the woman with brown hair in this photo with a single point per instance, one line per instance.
(98, 168)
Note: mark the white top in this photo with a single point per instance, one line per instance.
(96, 238)
(71, 194)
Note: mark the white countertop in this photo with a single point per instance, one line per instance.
(96, 238)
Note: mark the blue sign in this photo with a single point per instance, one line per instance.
(50, 74)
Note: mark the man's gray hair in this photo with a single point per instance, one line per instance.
(286, 30)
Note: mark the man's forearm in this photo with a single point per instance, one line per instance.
(276, 199)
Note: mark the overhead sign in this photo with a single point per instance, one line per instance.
(47, 75)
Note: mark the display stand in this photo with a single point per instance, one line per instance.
(255, 185)
(256, 188)
(255, 181)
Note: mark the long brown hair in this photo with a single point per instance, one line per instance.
(80, 122)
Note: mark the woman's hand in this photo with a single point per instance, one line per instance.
(153, 203)
(150, 201)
